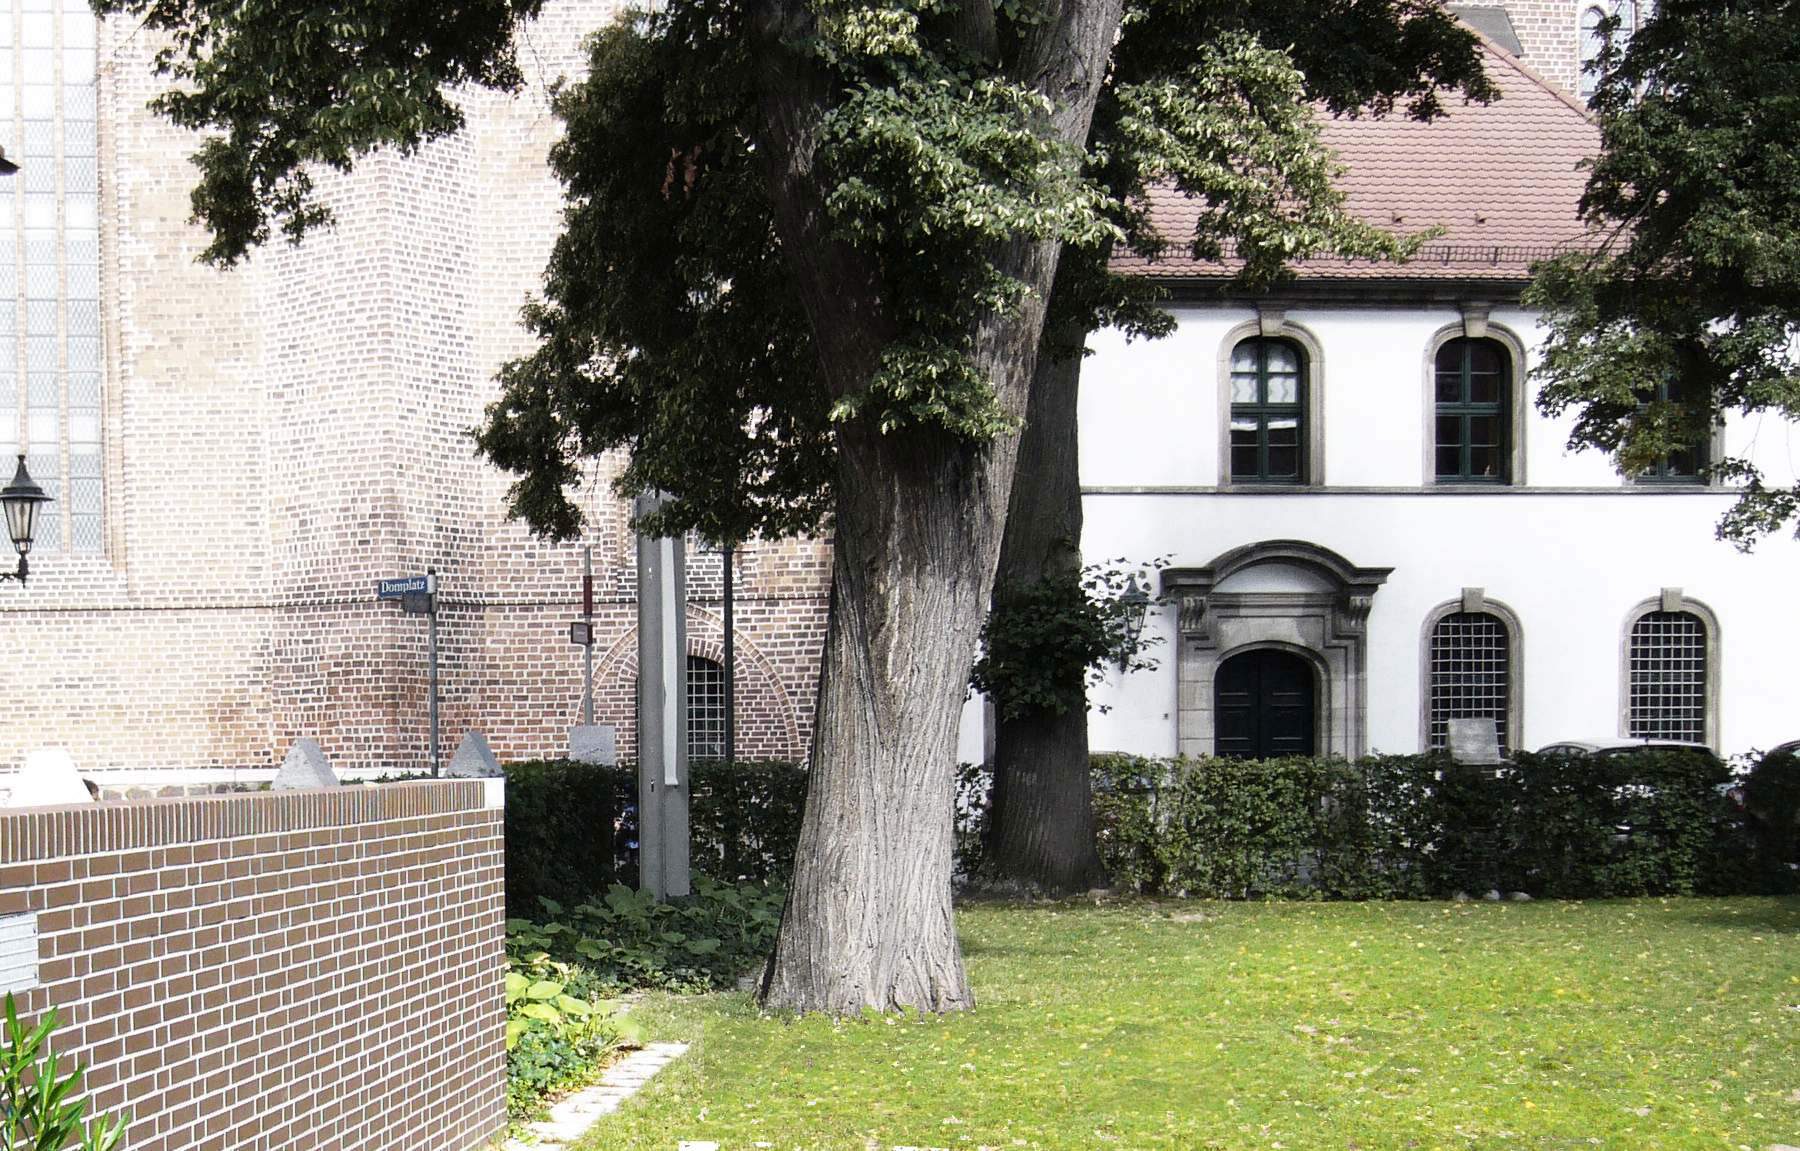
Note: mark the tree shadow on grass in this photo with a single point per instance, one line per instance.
(1779, 914)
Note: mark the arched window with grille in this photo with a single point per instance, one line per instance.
(1669, 672)
(1593, 46)
(1268, 412)
(1470, 669)
(705, 708)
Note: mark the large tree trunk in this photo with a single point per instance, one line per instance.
(1041, 818)
(917, 534)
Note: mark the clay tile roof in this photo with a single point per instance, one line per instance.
(1501, 178)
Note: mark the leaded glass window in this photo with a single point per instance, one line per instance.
(50, 343)
(1667, 677)
(1268, 412)
(1474, 409)
(705, 708)
(1471, 674)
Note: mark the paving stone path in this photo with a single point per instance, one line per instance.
(570, 1119)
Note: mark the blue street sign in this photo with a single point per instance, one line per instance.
(401, 588)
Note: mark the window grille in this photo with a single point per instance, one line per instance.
(50, 354)
(1268, 412)
(1668, 677)
(705, 708)
(1471, 674)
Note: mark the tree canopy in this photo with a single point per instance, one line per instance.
(1688, 306)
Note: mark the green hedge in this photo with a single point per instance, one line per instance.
(571, 828)
(1408, 827)
(1385, 827)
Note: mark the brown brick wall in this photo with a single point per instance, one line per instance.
(276, 971)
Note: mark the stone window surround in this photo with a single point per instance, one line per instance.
(1475, 325)
(1673, 599)
(1327, 628)
(1271, 323)
(1475, 600)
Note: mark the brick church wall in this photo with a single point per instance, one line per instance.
(284, 434)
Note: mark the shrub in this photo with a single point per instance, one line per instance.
(571, 828)
(563, 840)
(1409, 827)
(39, 1109)
(626, 939)
(1771, 802)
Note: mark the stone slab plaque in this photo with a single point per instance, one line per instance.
(596, 743)
(1475, 741)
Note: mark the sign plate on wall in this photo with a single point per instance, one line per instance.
(402, 587)
(18, 953)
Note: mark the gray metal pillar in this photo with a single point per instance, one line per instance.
(662, 751)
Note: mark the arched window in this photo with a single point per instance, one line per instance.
(1667, 677)
(705, 708)
(1474, 411)
(1593, 47)
(1268, 412)
(1469, 661)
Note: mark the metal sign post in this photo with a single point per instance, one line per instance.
(417, 595)
(587, 642)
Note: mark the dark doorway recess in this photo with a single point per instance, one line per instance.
(1265, 706)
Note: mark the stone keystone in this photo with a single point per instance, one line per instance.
(474, 759)
(305, 767)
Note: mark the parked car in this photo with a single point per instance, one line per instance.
(1574, 748)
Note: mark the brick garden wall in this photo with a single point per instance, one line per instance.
(282, 971)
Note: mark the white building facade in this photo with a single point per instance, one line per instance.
(1369, 527)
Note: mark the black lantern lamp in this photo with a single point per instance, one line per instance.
(1136, 602)
(21, 499)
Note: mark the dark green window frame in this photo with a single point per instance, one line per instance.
(1685, 465)
(1456, 381)
(1260, 449)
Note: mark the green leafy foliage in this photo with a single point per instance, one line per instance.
(1771, 799)
(1415, 827)
(40, 1109)
(571, 828)
(1694, 277)
(625, 939)
(558, 1035)
(1044, 643)
(920, 153)
(281, 85)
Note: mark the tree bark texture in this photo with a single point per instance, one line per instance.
(917, 530)
(1041, 814)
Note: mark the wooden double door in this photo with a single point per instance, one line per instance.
(1265, 706)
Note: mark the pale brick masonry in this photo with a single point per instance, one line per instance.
(292, 971)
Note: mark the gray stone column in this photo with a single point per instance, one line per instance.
(662, 712)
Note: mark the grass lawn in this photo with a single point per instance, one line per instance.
(1636, 1024)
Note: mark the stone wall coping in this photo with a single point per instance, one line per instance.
(36, 833)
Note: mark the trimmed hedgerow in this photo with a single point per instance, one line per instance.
(571, 828)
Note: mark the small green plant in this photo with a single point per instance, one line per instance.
(627, 939)
(39, 1110)
(558, 1036)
